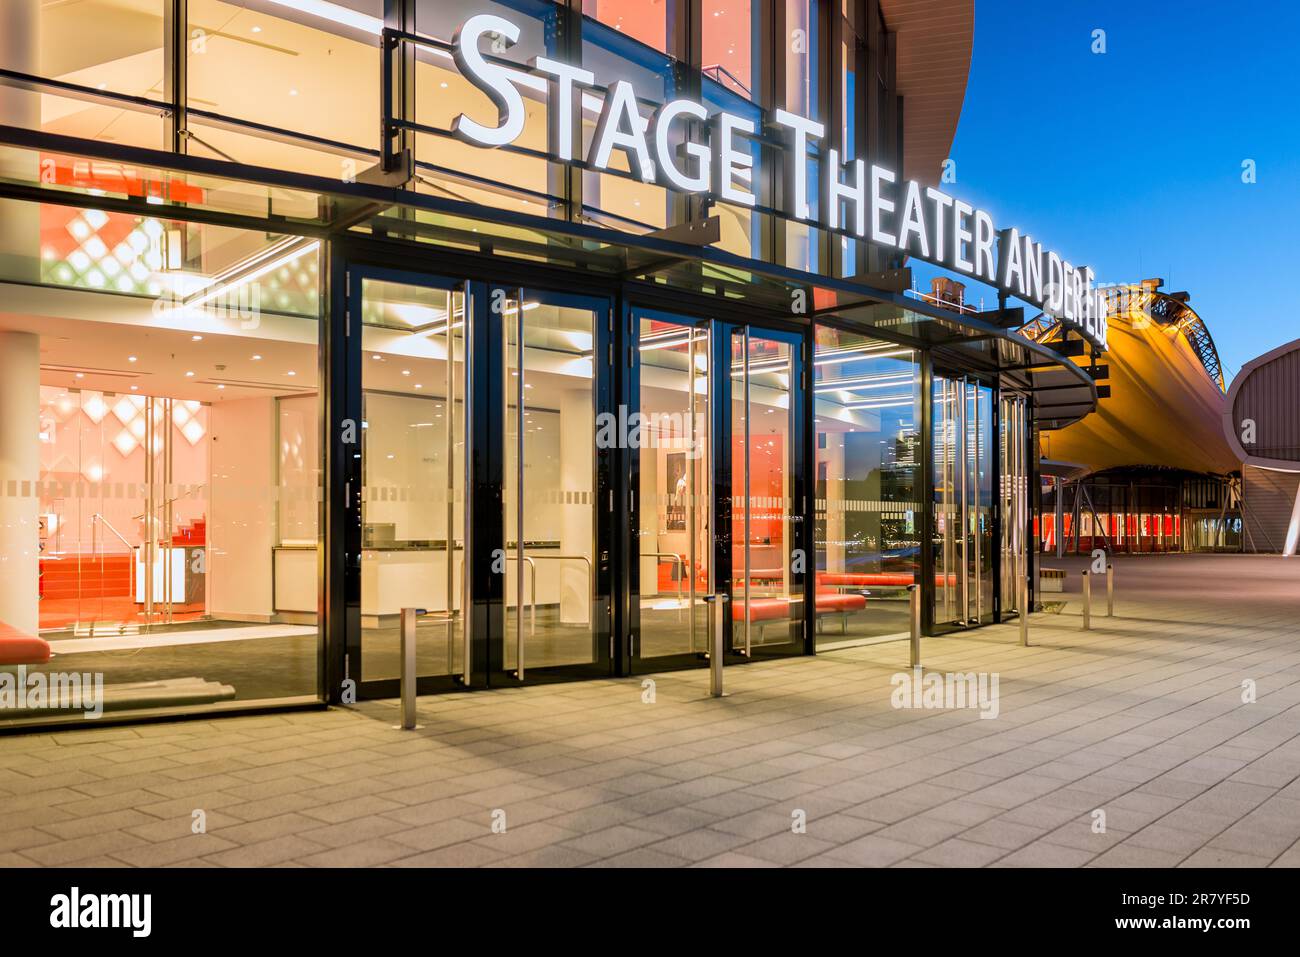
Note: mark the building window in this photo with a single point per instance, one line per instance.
(867, 416)
(174, 456)
(728, 47)
(647, 21)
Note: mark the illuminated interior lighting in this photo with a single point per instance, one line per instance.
(852, 383)
(847, 355)
(884, 402)
(220, 284)
(335, 13)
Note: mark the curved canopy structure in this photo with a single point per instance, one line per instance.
(934, 42)
(1166, 397)
(1261, 418)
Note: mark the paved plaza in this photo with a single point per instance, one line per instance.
(1168, 735)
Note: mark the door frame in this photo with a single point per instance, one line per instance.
(965, 379)
(721, 333)
(346, 462)
(604, 464)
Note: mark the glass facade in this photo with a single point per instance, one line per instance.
(173, 505)
(264, 423)
(868, 426)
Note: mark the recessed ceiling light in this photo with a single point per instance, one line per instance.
(376, 356)
(220, 386)
(256, 358)
(135, 388)
(406, 372)
(189, 375)
(418, 386)
(257, 29)
(130, 358)
(291, 372)
(196, 338)
(293, 92)
(443, 85)
(81, 375)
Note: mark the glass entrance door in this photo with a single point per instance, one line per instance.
(716, 471)
(963, 503)
(767, 597)
(557, 499)
(413, 506)
(674, 492)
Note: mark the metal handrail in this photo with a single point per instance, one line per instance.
(717, 71)
(532, 596)
(582, 558)
(681, 573)
(98, 517)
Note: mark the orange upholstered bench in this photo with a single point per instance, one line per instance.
(19, 648)
(866, 579)
(766, 610)
(875, 579)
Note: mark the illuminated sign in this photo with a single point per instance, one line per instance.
(853, 198)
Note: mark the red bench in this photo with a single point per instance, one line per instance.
(875, 579)
(19, 648)
(766, 610)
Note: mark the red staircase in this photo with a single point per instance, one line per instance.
(85, 576)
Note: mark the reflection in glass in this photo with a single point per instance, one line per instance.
(550, 447)
(765, 601)
(867, 417)
(963, 502)
(175, 462)
(727, 45)
(413, 447)
(643, 20)
(675, 496)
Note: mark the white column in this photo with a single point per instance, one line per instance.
(20, 463)
(242, 510)
(20, 225)
(577, 436)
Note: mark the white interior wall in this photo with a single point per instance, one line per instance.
(242, 529)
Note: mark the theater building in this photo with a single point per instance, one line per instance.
(584, 328)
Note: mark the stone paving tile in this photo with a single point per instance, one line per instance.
(641, 857)
(700, 844)
(78, 849)
(612, 840)
(873, 851)
(276, 850)
(1140, 717)
(164, 853)
(1045, 854)
(960, 853)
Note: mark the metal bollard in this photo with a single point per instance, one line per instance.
(408, 667)
(1024, 611)
(914, 615)
(1087, 601)
(718, 602)
(1110, 590)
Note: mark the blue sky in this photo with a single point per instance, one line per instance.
(1130, 161)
